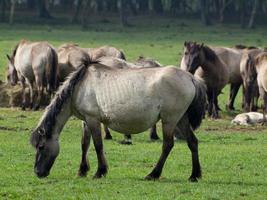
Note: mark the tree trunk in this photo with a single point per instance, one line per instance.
(253, 14)
(157, 6)
(43, 10)
(12, 11)
(143, 5)
(123, 13)
(3, 6)
(77, 11)
(30, 4)
(85, 13)
(204, 12)
(242, 11)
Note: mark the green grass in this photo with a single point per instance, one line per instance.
(234, 159)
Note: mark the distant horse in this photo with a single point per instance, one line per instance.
(104, 51)
(70, 57)
(33, 62)
(247, 119)
(248, 73)
(126, 100)
(261, 75)
(232, 58)
(203, 62)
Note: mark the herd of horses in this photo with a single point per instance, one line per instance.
(99, 86)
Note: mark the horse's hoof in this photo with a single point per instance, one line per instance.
(23, 108)
(151, 178)
(108, 137)
(101, 172)
(154, 138)
(83, 170)
(35, 108)
(126, 142)
(193, 179)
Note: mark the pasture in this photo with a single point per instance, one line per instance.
(233, 158)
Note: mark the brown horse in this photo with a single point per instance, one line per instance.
(231, 57)
(70, 57)
(33, 62)
(203, 62)
(128, 101)
(104, 51)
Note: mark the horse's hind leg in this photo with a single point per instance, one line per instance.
(215, 113)
(192, 143)
(23, 106)
(95, 128)
(153, 133)
(233, 92)
(168, 142)
(108, 136)
(85, 143)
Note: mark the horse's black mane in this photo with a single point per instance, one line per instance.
(49, 117)
(209, 53)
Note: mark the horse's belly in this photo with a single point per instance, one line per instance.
(131, 118)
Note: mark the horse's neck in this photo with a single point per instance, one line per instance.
(210, 67)
(62, 118)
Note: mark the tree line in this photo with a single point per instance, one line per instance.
(247, 13)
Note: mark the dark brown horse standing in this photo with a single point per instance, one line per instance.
(202, 61)
(33, 63)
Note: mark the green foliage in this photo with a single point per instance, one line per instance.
(233, 158)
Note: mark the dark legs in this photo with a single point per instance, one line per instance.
(128, 138)
(153, 133)
(212, 101)
(93, 128)
(192, 143)
(168, 143)
(85, 143)
(22, 82)
(107, 133)
(233, 92)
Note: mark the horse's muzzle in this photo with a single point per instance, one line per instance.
(41, 174)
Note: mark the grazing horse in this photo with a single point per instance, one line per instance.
(231, 57)
(260, 72)
(104, 51)
(203, 62)
(126, 100)
(70, 57)
(33, 62)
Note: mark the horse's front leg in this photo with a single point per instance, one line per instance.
(233, 92)
(95, 128)
(192, 143)
(215, 114)
(85, 143)
(168, 142)
(264, 107)
(210, 103)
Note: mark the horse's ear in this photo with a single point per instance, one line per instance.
(185, 43)
(202, 45)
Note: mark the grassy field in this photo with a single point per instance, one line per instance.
(234, 159)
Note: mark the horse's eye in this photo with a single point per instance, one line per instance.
(186, 53)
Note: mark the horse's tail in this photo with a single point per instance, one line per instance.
(51, 72)
(196, 110)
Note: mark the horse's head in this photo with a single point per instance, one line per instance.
(12, 76)
(192, 56)
(47, 150)
(250, 72)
